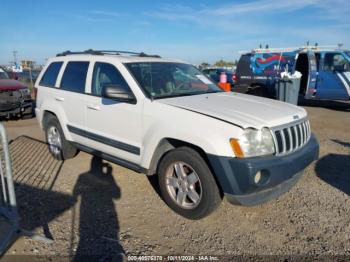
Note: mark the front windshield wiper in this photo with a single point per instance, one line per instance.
(187, 94)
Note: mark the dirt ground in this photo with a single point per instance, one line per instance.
(87, 213)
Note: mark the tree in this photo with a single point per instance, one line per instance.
(204, 65)
(222, 63)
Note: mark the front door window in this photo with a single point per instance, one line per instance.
(335, 62)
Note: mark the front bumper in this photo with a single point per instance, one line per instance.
(236, 176)
(19, 108)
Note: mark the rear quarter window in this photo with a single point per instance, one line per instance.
(50, 76)
(74, 77)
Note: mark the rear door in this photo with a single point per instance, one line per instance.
(312, 78)
(244, 72)
(332, 80)
(72, 96)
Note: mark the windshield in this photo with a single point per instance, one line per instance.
(3, 74)
(163, 80)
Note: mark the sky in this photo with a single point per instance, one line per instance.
(194, 31)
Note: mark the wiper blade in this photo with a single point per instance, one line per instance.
(177, 95)
(187, 94)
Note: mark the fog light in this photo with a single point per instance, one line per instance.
(257, 177)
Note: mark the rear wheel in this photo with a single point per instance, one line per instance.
(59, 147)
(187, 184)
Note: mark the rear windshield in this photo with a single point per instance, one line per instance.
(164, 79)
(3, 74)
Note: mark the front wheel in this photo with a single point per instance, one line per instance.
(187, 184)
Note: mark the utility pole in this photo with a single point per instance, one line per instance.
(14, 52)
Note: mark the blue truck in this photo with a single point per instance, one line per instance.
(325, 71)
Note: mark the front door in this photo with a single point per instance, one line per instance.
(333, 81)
(113, 127)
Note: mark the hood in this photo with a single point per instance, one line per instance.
(239, 109)
(10, 84)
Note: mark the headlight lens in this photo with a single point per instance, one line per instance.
(254, 143)
(26, 91)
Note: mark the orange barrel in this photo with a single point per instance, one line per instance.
(225, 86)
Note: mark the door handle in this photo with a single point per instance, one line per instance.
(93, 107)
(61, 99)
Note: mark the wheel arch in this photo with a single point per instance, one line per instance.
(47, 113)
(168, 144)
(46, 116)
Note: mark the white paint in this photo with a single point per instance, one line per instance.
(208, 121)
(345, 83)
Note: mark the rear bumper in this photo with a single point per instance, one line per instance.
(39, 117)
(236, 176)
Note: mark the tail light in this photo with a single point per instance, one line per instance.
(234, 77)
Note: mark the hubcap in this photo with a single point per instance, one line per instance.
(54, 140)
(183, 185)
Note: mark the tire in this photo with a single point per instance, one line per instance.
(258, 91)
(189, 162)
(59, 147)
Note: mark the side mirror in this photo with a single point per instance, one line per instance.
(117, 92)
(339, 68)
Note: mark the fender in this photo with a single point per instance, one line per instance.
(58, 111)
(209, 134)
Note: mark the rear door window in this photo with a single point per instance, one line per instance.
(74, 77)
(50, 76)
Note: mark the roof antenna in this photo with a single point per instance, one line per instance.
(267, 47)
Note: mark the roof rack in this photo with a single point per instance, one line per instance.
(105, 52)
(289, 49)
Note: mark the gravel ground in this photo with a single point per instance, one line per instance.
(87, 213)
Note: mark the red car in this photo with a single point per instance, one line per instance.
(15, 98)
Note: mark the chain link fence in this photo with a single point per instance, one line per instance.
(9, 219)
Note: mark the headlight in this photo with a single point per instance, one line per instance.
(253, 143)
(25, 91)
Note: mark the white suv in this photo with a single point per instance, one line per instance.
(164, 117)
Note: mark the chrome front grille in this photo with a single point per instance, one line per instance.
(289, 138)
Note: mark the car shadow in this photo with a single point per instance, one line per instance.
(329, 104)
(92, 203)
(98, 219)
(334, 169)
(35, 173)
(345, 144)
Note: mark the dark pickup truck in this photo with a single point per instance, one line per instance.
(15, 98)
